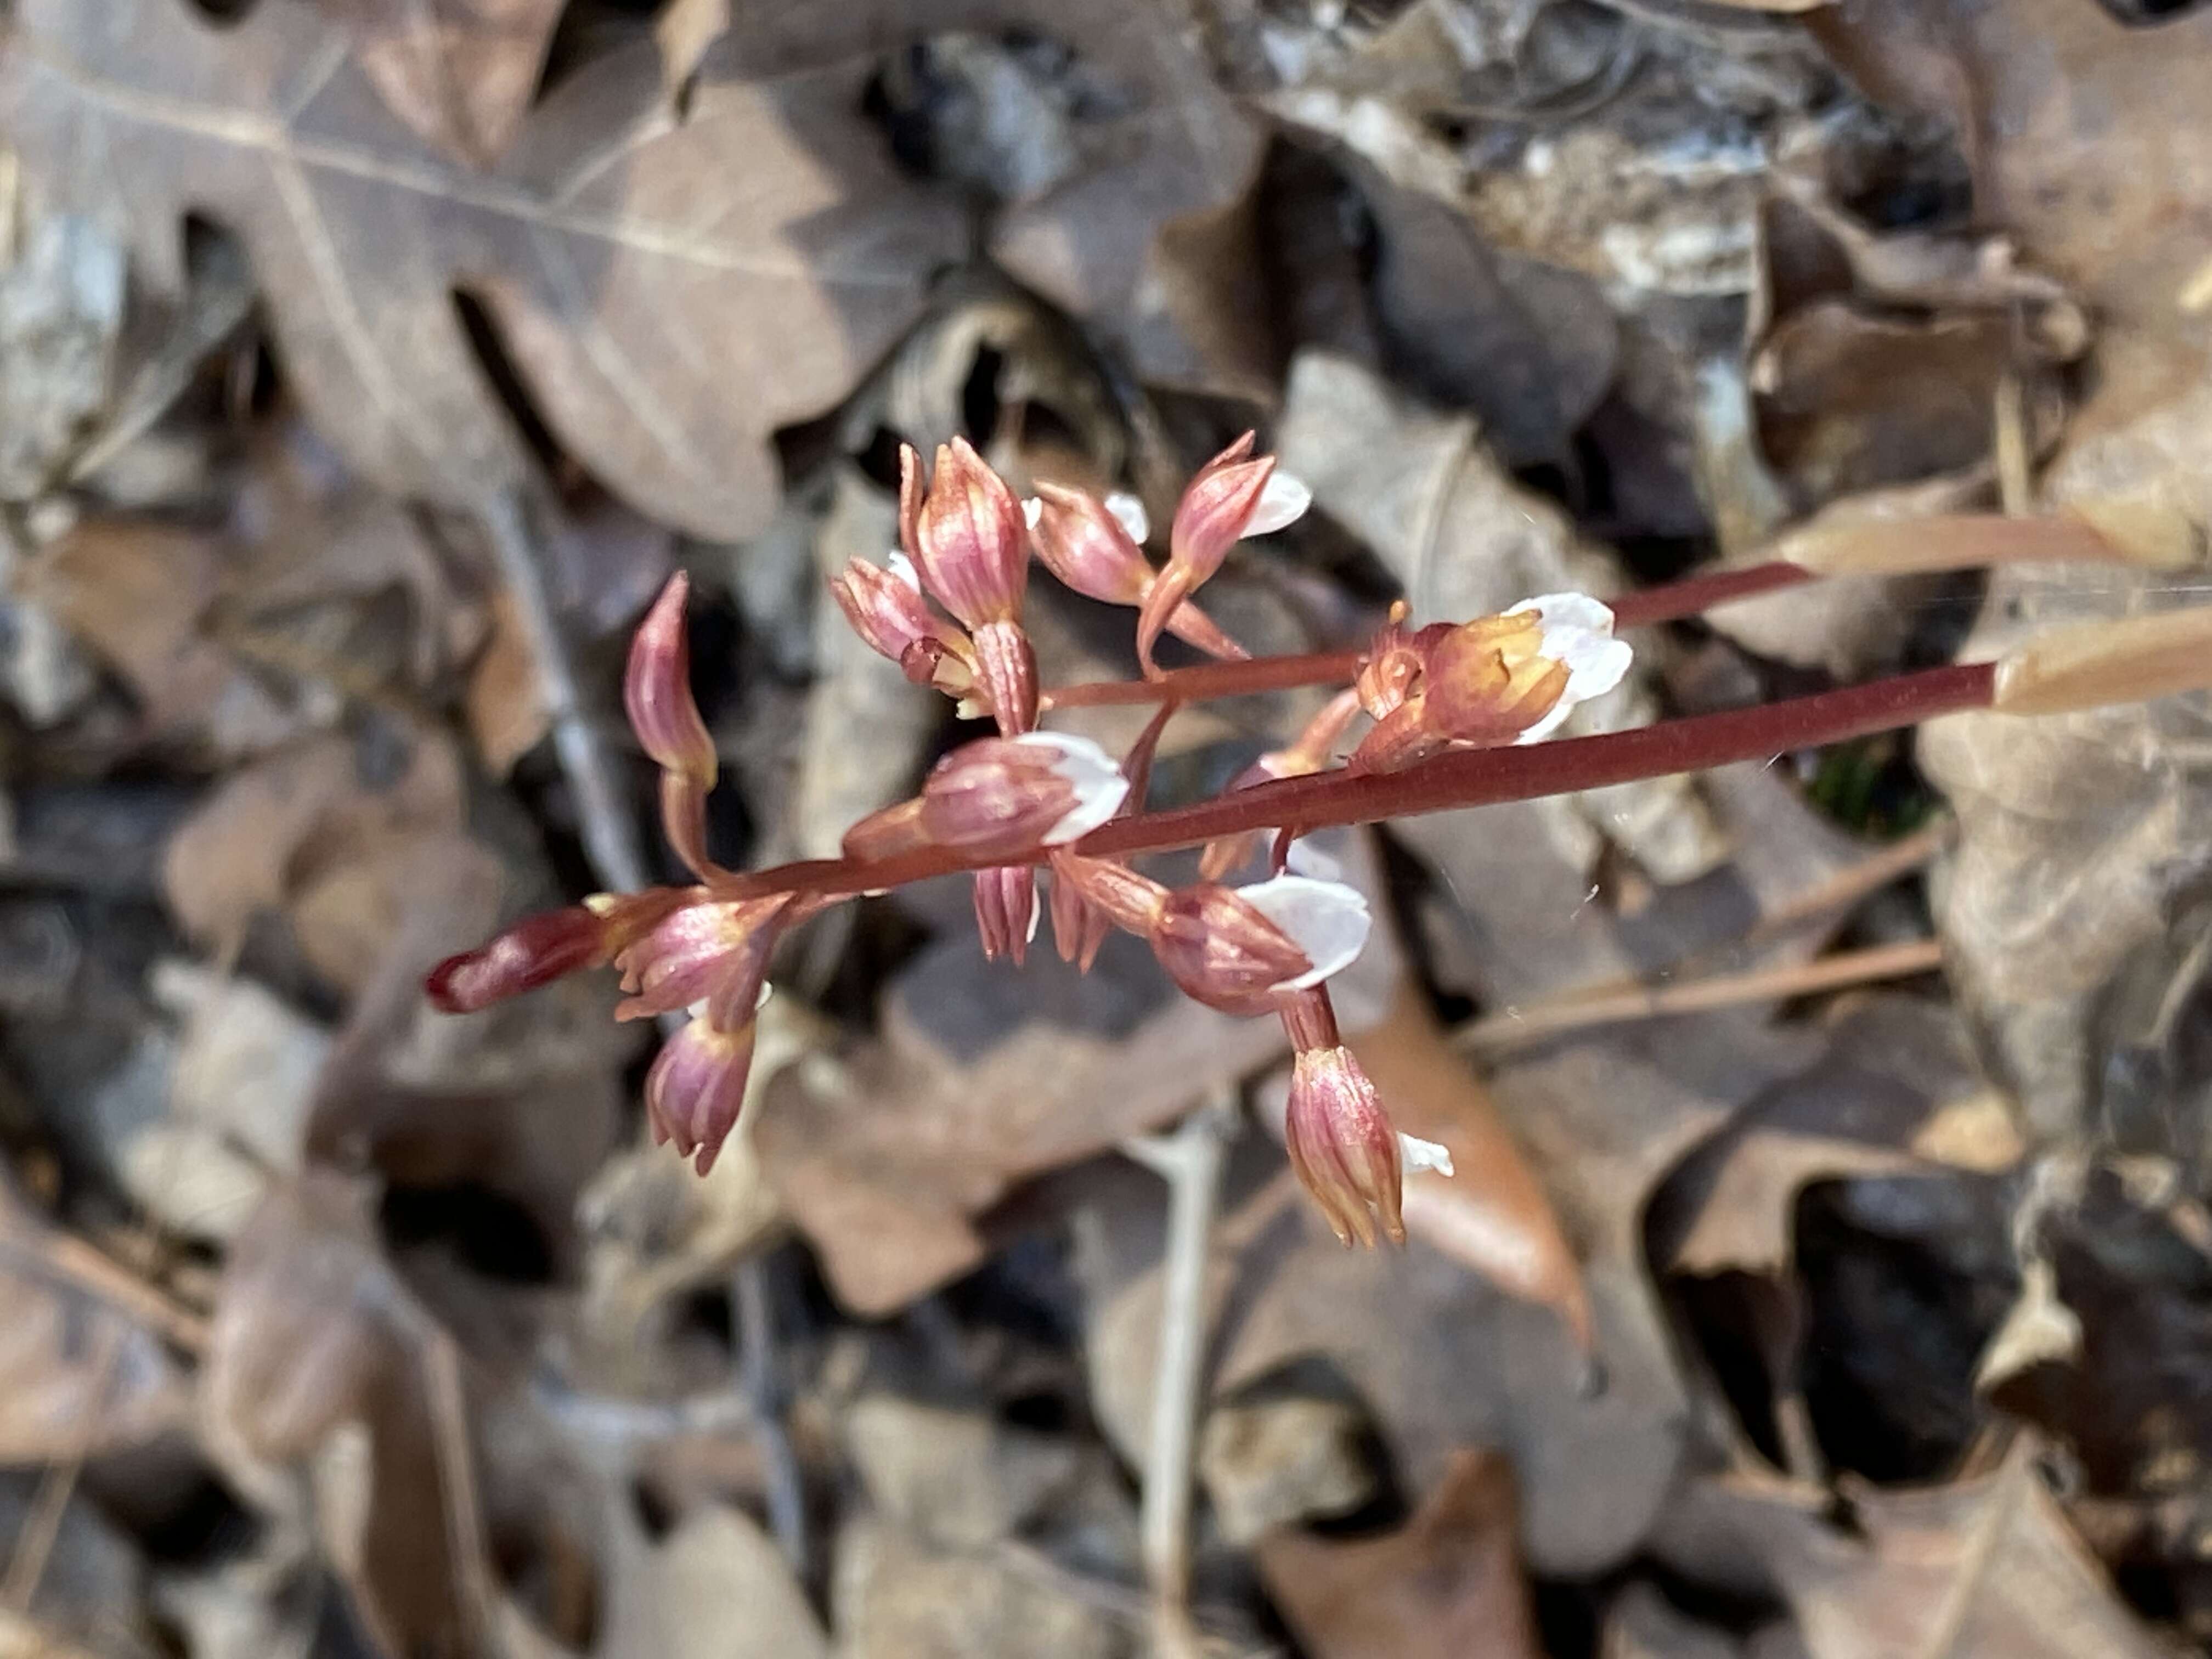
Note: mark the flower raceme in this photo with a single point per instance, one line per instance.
(1027, 798)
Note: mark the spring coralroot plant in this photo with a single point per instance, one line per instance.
(1463, 713)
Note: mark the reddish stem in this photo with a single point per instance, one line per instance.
(1231, 679)
(1476, 777)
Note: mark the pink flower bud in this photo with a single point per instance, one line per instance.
(1085, 545)
(696, 1088)
(1090, 545)
(1242, 950)
(540, 948)
(886, 609)
(1004, 796)
(1231, 498)
(657, 689)
(1342, 1145)
(970, 541)
(1007, 911)
(712, 949)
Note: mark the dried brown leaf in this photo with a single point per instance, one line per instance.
(1438, 1358)
(319, 1354)
(460, 72)
(1891, 1067)
(1490, 1213)
(294, 828)
(1447, 1585)
(139, 593)
(638, 267)
(632, 291)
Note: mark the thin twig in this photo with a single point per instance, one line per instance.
(760, 1380)
(101, 1277)
(1532, 1022)
(1189, 1160)
(1853, 881)
(610, 831)
(447, 1394)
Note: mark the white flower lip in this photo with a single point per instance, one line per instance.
(902, 567)
(1129, 513)
(1283, 501)
(1032, 510)
(1099, 787)
(1305, 858)
(1416, 1155)
(1326, 920)
(1577, 631)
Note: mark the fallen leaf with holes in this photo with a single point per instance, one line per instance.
(1491, 1213)
(1983, 1568)
(1446, 1585)
(319, 1356)
(460, 72)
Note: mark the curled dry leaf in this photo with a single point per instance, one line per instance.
(1891, 1067)
(1983, 1568)
(1447, 1585)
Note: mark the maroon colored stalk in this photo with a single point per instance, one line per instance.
(1235, 679)
(1476, 777)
